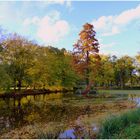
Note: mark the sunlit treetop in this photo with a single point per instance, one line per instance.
(87, 43)
(86, 52)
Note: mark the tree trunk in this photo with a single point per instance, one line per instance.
(19, 85)
(121, 80)
(34, 87)
(87, 69)
(43, 86)
(122, 83)
(14, 85)
(131, 80)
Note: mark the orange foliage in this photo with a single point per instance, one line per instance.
(85, 48)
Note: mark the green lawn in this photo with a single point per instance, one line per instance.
(120, 91)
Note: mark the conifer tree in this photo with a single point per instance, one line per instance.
(86, 47)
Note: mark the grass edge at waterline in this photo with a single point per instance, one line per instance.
(121, 126)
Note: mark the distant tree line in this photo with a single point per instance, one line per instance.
(118, 72)
(25, 64)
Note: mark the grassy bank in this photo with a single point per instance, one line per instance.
(22, 93)
(121, 127)
(119, 91)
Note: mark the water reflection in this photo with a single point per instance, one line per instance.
(74, 133)
(135, 98)
(15, 112)
(79, 132)
(69, 134)
(11, 114)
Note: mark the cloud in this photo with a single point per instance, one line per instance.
(101, 22)
(60, 2)
(111, 25)
(53, 15)
(51, 32)
(114, 30)
(29, 21)
(1, 17)
(109, 49)
(50, 28)
(128, 16)
(103, 46)
(110, 52)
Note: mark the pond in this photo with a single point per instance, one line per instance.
(75, 113)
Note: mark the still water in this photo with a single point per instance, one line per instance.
(57, 107)
(16, 112)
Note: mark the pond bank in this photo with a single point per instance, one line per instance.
(65, 117)
(31, 92)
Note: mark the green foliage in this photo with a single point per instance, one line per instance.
(131, 132)
(17, 54)
(115, 72)
(52, 67)
(121, 126)
(5, 80)
(23, 63)
(105, 74)
(30, 65)
(124, 68)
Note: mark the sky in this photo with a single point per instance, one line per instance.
(58, 23)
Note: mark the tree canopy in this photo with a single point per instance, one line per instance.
(86, 48)
(25, 64)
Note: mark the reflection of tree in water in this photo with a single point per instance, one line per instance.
(13, 113)
(18, 112)
(30, 109)
(135, 98)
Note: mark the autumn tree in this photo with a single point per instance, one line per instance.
(86, 47)
(17, 54)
